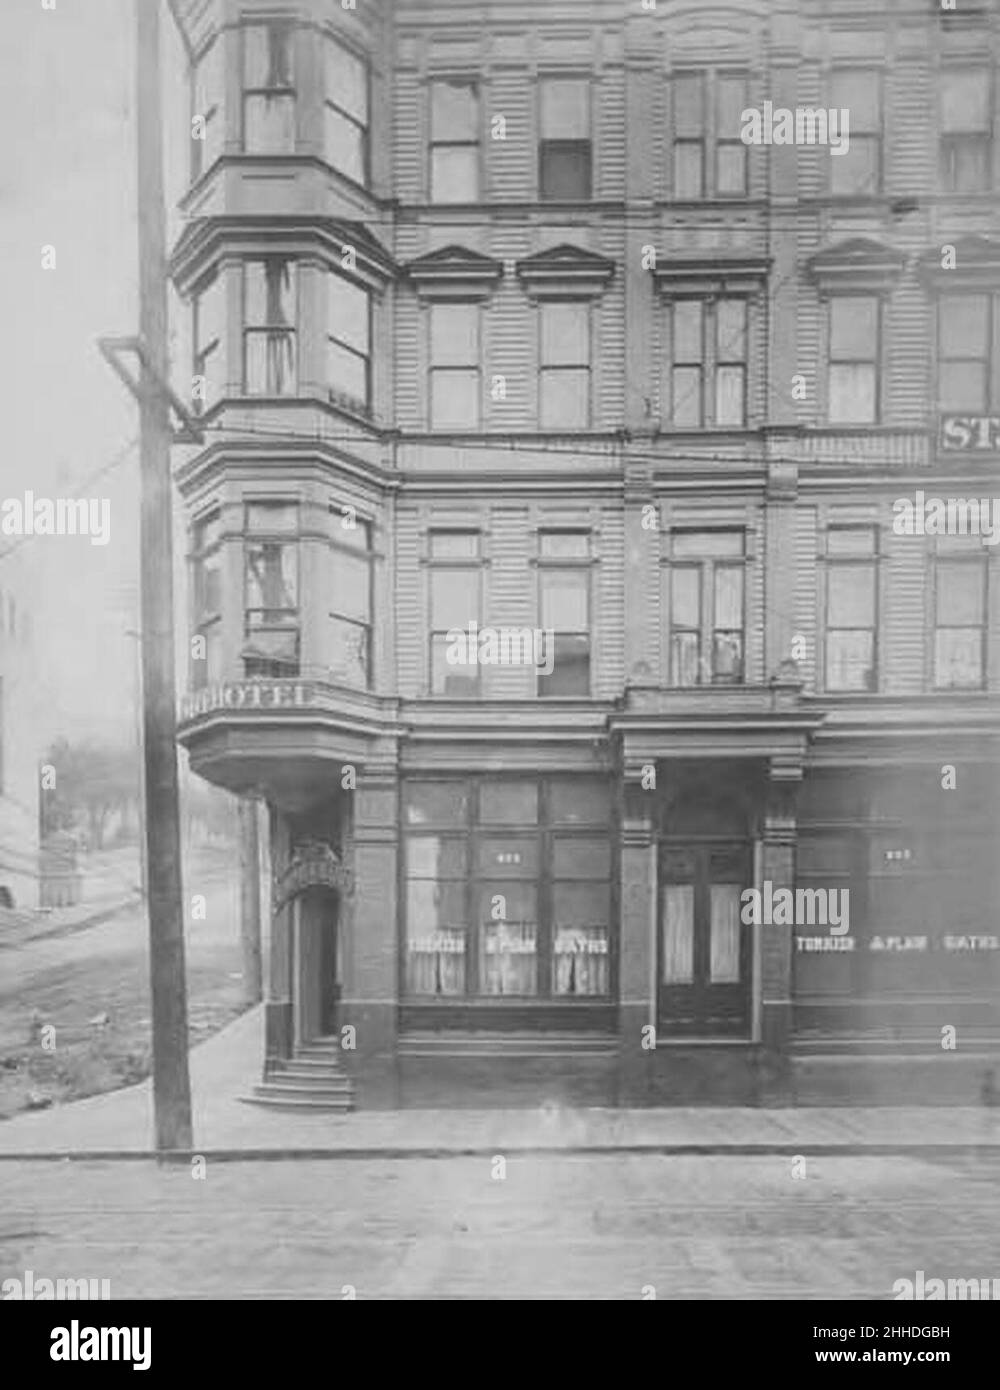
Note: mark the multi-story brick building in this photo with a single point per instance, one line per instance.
(500, 321)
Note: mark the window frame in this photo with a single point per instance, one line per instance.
(846, 560)
(363, 126)
(709, 142)
(990, 361)
(547, 371)
(286, 91)
(581, 568)
(874, 136)
(713, 359)
(211, 110)
(286, 331)
(707, 567)
(949, 142)
(273, 536)
(473, 831)
(473, 564)
(337, 396)
(959, 559)
(206, 621)
(474, 368)
(875, 361)
(475, 85)
(366, 553)
(202, 353)
(582, 146)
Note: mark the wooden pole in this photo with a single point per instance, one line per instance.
(171, 1084)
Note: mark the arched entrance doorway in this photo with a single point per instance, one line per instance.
(317, 954)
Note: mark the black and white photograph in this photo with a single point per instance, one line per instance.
(500, 669)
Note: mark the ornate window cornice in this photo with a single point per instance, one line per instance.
(711, 276)
(976, 265)
(454, 272)
(564, 272)
(859, 265)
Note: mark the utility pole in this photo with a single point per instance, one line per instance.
(171, 1083)
(250, 897)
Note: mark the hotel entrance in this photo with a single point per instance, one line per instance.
(317, 963)
(704, 966)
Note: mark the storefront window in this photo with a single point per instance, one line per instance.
(501, 882)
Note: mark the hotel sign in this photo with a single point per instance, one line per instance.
(244, 695)
(970, 434)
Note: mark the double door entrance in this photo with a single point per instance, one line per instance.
(704, 951)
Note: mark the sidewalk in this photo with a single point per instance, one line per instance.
(120, 1124)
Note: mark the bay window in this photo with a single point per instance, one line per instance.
(345, 112)
(348, 341)
(209, 326)
(207, 88)
(268, 88)
(206, 567)
(349, 589)
(272, 621)
(269, 310)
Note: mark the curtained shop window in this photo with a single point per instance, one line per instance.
(510, 879)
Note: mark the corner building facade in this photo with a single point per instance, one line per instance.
(496, 320)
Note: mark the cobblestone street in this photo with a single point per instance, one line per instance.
(555, 1227)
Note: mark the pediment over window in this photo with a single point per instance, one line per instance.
(454, 272)
(974, 265)
(710, 275)
(564, 272)
(858, 264)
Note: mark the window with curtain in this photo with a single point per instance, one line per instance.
(454, 143)
(564, 608)
(455, 578)
(348, 341)
(508, 888)
(564, 150)
(269, 312)
(966, 138)
(858, 171)
(854, 354)
(564, 366)
(708, 370)
(345, 111)
(965, 352)
(268, 88)
(960, 587)
(851, 608)
(455, 382)
(272, 625)
(706, 577)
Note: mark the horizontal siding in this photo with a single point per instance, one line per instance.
(510, 163)
(609, 625)
(902, 621)
(803, 595)
(411, 600)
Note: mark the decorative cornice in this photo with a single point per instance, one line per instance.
(858, 264)
(208, 240)
(565, 272)
(711, 275)
(976, 265)
(454, 272)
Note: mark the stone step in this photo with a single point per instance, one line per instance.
(312, 1097)
(339, 1105)
(311, 1081)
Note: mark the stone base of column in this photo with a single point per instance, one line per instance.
(372, 1062)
